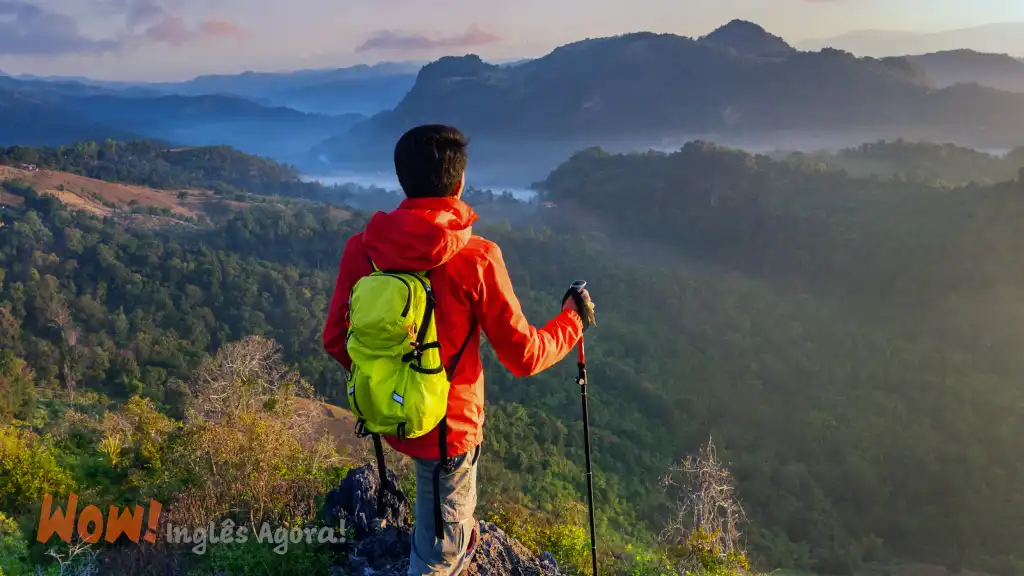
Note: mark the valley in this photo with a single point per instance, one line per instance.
(807, 257)
(781, 324)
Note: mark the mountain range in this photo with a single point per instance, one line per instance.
(361, 89)
(358, 89)
(737, 82)
(37, 113)
(999, 38)
(967, 66)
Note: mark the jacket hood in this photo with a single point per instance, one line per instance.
(422, 233)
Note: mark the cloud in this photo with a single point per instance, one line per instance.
(173, 30)
(27, 29)
(409, 42)
(143, 11)
(169, 30)
(222, 29)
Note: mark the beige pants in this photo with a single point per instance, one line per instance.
(446, 556)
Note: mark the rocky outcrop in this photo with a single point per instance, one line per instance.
(380, 546)
(499, 553)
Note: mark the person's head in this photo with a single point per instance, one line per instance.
(430, 161)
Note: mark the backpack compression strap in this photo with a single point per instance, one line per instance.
(419, 345)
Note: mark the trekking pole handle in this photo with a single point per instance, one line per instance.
(576, 292)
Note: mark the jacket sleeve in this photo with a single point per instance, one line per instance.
(353, 267)
(520, 347)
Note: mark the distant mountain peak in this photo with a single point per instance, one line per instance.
(748, 39)
(969, 55)
(456, 66)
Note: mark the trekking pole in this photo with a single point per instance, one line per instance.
(576, 289)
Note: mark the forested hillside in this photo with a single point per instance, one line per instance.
(898, 298)
(810, 331)
(937, 164)
(922, 256)
(158, 165)
(951, 67)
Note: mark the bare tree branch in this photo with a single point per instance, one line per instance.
(706, 506)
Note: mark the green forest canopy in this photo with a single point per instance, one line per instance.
(877, 430)
(938, 164)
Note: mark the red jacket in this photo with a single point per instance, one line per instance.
(469, 281)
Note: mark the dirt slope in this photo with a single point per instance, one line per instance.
(100, 197)
(340, 424)
(337, 422)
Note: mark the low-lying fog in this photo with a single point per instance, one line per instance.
(389, 182)
(515, 167)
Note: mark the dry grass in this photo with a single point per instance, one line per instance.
(102, 198)
(93, 195)
(340, 424)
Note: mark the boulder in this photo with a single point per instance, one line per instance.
(381, 545)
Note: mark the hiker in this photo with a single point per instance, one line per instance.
(431, 230)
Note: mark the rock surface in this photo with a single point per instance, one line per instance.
(381, 548)
(498, 553)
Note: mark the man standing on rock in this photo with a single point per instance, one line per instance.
(432, 230)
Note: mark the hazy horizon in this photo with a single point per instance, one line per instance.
(174, 40)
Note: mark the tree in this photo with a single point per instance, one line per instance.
(60, 318)
(249, 442)
(17, 387)
(10, 330)
(704, 533)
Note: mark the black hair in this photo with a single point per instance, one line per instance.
(430, 161)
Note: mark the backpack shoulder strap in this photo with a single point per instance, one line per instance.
(385, 485)
(382, 474)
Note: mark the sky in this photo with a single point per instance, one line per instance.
(178, 39)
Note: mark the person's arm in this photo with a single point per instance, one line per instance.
(353, 267)
(520, 347)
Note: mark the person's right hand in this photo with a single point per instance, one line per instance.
(587, 314)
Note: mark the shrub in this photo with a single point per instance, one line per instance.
(567, 540)
(28, 470)
(704, 536)
(14, 559)
(247, 447)
(254, 558)
(139, 428)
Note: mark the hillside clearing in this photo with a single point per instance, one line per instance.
(103, 198)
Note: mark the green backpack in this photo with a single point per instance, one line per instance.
(397, 386)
